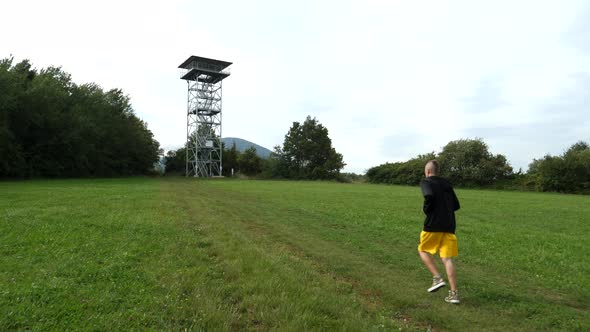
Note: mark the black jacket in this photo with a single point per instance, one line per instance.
(440, 204)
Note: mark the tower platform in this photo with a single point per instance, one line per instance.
(205, 69)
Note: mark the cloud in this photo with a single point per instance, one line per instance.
(554, 126)
(579, 33)
(486, 98)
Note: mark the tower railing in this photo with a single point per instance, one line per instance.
(208, 67)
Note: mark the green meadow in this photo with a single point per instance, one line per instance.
(175, 254)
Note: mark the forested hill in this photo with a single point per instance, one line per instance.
(53, 127)
(243, 145)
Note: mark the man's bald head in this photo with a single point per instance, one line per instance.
(431, 168)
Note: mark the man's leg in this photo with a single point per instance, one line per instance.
(437, 279)
(429, 262)
(429, 243)
(451, 274)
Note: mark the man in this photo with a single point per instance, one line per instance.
(438, 234)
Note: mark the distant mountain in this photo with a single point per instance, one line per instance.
(243, 145)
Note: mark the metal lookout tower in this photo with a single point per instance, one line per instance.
(203, 115)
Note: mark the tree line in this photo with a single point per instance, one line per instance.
(468, 163)
(52, 127)
(306, 154)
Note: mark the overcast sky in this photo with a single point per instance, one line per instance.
(389, 79)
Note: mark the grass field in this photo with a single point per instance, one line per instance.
(257, 255)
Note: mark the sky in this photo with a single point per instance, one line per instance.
(389, 79)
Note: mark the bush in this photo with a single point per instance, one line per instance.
(410, 172)
(568, 173)
(465, 162)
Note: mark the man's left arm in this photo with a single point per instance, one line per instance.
(456, 205)
(428, 197)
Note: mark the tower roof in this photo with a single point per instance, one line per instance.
(192, 58)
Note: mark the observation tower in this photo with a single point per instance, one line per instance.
(204, 78)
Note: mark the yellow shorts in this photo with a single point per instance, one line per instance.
(433, 242)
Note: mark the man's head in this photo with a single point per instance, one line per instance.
(431, 168)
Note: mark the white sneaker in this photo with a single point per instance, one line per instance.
(453, 297)
(437, 283)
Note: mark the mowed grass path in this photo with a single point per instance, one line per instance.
(258, 255)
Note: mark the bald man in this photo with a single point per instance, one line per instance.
(438, 234)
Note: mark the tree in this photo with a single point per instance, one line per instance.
(468, 162)
(230, 160)
(307, 152)
(577, 148)
(569, 172)
(176, 161)
(50, 126)
(12, 162)
(249, 162)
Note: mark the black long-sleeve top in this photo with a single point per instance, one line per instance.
(440, 204)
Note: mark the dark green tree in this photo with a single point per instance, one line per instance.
(230, 160)
(175, 162)
(49, 126)
(249, 162)
(12, 161)
(569, 173)
(307, 152)
(468, 162)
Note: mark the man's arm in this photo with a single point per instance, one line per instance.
(456, 204)
(428, 197)
(428, 204)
